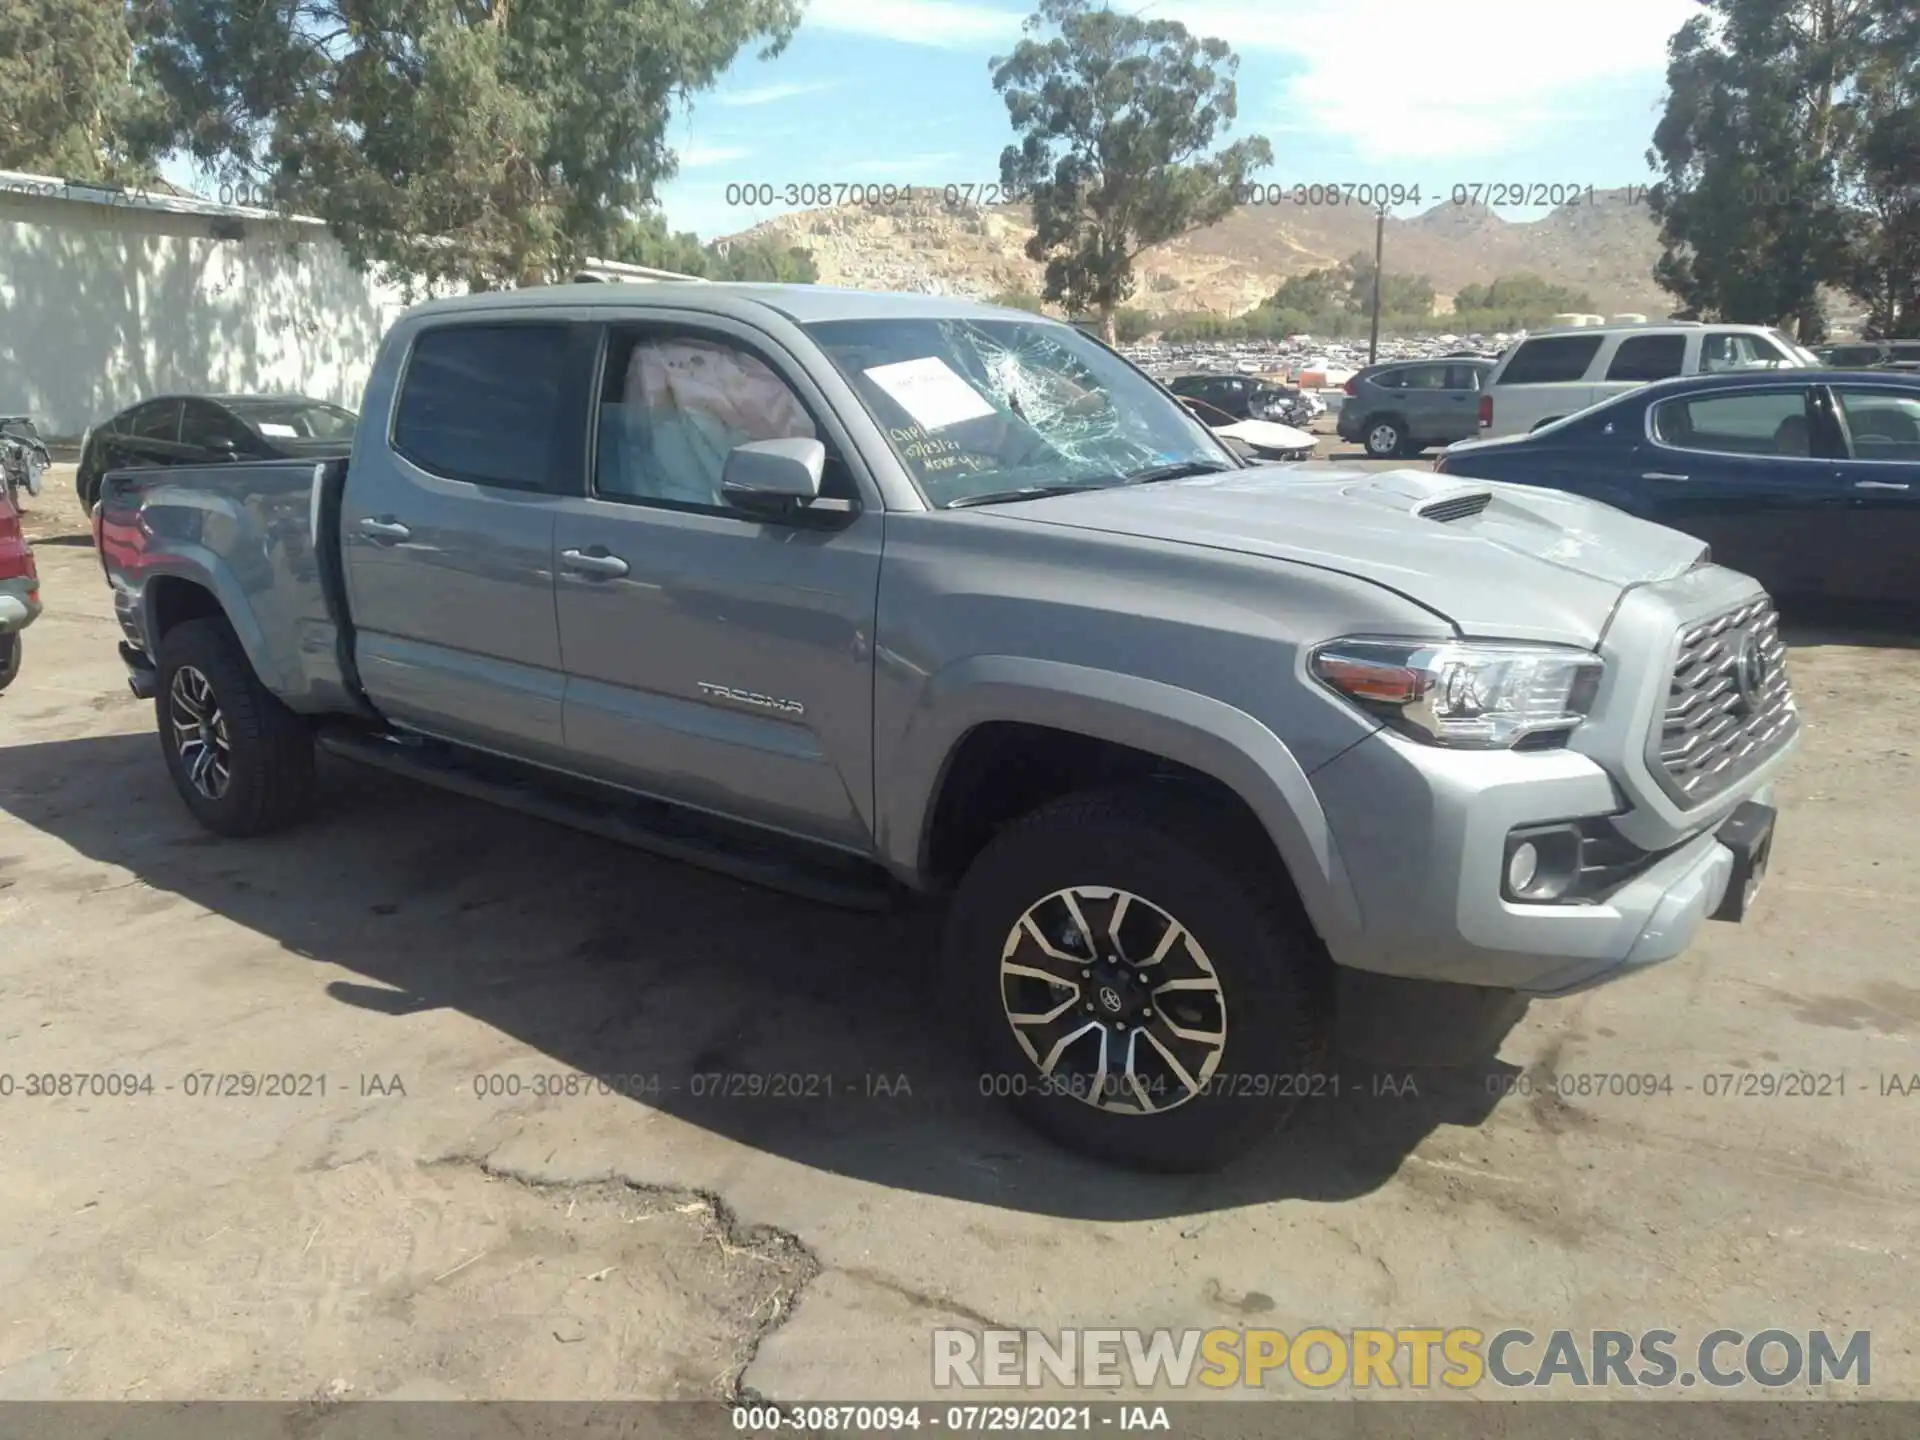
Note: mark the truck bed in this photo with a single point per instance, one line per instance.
(265, 537)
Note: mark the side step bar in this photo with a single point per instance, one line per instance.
(755, 856)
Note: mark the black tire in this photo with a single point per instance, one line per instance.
(1384, 439)
(1214, 873)
(10, 654)
(270, 780)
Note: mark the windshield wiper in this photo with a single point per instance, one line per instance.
(1026, 492)
(1182, 470)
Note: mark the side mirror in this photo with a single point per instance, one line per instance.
(778, 479)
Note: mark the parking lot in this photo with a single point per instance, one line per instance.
(414, 1219)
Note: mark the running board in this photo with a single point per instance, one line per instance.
(758, 857)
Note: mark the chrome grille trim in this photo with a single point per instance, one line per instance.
(1716, 730)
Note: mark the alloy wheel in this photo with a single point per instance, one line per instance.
(200, 732)
(1113, 1000)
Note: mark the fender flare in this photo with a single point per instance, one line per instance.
(1194, 730)
(198, 566)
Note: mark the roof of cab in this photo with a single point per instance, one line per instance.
(802, 304)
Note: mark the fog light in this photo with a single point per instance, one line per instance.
(1522, 866)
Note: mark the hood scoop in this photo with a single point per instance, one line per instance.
(1438, 498)
(1455, 507)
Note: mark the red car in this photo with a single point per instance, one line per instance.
(19, 589)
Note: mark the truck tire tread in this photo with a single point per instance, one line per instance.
(273, 784)
(1199, 856)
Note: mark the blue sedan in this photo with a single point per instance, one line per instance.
(1808, 480)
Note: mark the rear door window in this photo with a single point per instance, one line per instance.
(482, 402)
(1552, 360)
(1465, 377)
(157, 421)
(1649, 357)
(1752, 422)
(1424, 377)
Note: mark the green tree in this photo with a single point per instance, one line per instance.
(72, 102)
(1883, 267)
(483, 141)
(1407, 296)
(1759, 121)
(763, 258)
(1313, 292)
(1117, 117)
(1522, 293)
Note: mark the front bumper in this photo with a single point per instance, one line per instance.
(1424, 834)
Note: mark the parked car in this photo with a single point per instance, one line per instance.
(868, 595)
(1244, 397)
(19, 588)
(1262, 439)
(203, 429)
(1402, 409)
(1870, 355)
(1555, 373)
(1808, 480)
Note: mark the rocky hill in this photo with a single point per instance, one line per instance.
(1605, 246)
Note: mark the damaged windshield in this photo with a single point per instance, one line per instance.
(988, 408)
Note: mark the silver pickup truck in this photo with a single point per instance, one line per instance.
(870, 595)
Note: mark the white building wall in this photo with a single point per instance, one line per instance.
(103, 305)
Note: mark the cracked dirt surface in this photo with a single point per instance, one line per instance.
(437, 1211)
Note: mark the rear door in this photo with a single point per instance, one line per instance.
(1425, 401)
(1544, 378)
(447, 532)
(1749, 471)
(1460, 419)
(1640, 359)
(712, 658)
(1877, 551)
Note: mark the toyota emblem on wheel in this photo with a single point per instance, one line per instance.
(1110, 1000)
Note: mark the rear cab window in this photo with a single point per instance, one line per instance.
(481, 402)
(1649, 357)
(1551, 360)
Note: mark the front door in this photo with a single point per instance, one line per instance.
(448, 534)
(1878, 487)
(1749, 472)
(714, 659)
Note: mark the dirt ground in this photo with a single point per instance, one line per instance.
(417, 1219)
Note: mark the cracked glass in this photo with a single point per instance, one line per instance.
(985, 407)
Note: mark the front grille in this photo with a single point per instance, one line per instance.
(1729, 707)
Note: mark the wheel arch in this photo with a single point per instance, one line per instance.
(179, 594)
(1131, 720)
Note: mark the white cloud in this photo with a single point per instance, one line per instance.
(700, 157)
(771, 94)
(1401, 80)
(944, 24)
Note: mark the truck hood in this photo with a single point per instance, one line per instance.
(1499, 561)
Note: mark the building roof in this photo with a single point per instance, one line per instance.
(160, 198)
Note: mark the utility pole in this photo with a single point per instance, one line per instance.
(1379, 249)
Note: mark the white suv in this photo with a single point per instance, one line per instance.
(1551, 374)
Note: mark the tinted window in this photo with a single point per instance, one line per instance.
(480, 402)
(1424, 377)
(1649, 357)
(1551, 359)
(158, 421)
(1465, 377)
(1387, 379)
(1768, 422)
(1884, 425)
(205, 426)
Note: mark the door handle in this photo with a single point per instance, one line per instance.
(385, 529)
(1880, 485)
(600, 567)
(1662, 475)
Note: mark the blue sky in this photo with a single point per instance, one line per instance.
(1427, 92)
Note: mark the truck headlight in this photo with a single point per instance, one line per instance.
(1466, 694)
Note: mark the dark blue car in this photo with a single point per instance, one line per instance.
(1808, 480)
